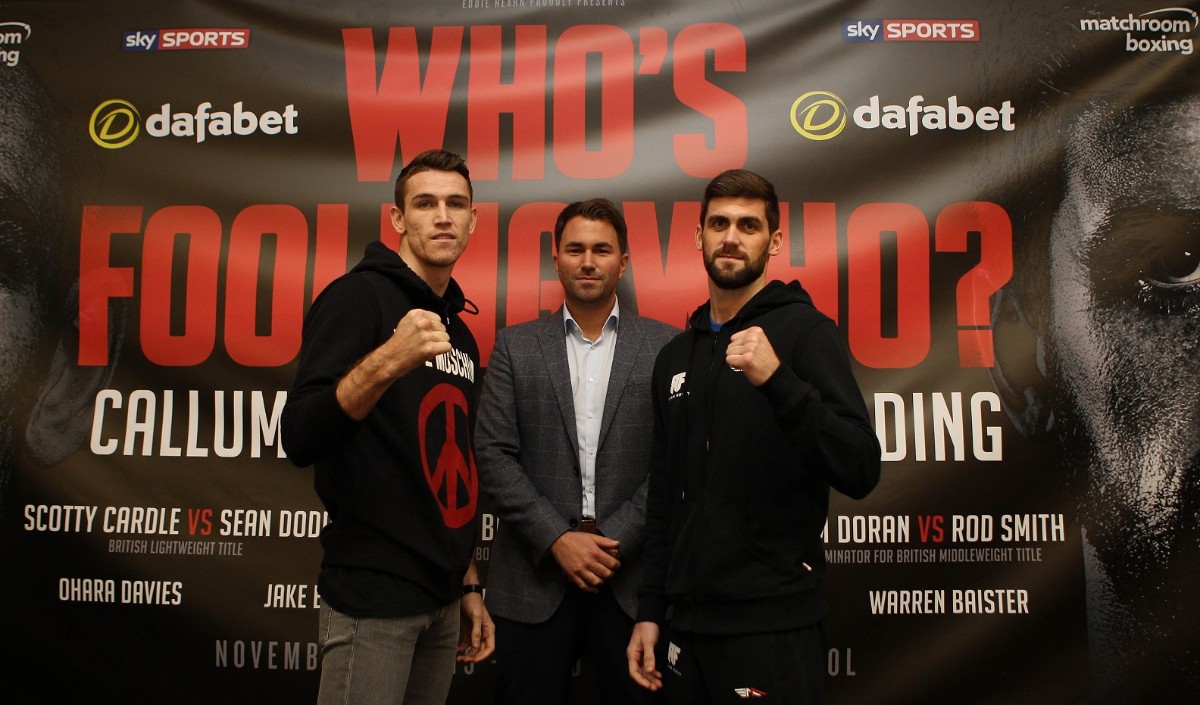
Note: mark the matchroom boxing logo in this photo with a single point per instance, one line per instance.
(821, 115)
(117, 123)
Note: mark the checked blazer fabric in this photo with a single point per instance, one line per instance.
(526, 449)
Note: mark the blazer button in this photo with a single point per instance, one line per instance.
(573, 523)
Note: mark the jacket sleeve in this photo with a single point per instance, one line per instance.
(820, 407)
(340, 329)
(652, 599)
(518, 503)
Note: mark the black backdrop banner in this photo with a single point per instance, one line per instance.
(999, 204)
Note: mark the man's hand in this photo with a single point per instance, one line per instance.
(478, 639)
(418, 337)
(750, 352)
(640, 654)
(584, 558)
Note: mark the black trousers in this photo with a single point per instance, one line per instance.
(772, 667)
(534, 661)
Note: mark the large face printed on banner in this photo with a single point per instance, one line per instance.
(589, 261)
(736, 241)
(1123, 347)
(45, 398)
(30, 200)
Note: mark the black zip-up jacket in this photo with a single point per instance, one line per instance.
(740, 476)
(401, 486)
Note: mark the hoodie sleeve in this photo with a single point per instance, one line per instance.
(340, 329)
(820, 407)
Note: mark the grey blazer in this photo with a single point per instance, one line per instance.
(526, 450)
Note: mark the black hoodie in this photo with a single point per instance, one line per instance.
(400, 486)
(740, 477)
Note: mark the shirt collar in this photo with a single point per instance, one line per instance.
(570, 324)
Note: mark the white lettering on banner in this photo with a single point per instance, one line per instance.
(1161, 22)
(840, 662)
(914, 117)
(947, 422)
(205, 122)
(288, 596)
(301, 523)
(148, 415)
(935, 529)
(246, 522)
(55, 518)
(873, 529)
(141, 520)
(87, 590)
(266, 655)
(933, 601)
(151, 592)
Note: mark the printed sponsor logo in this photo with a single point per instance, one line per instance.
(12, 36)
(1169, 29)
(821, 115)
(117, 123)
(177, 39)
(910, 30)
(677, 384)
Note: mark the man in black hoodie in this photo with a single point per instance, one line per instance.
(757, 415)
(383, 406)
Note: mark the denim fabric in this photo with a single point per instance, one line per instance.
(387, 660)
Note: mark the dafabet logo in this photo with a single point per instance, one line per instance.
(821, 115)
(117, 123)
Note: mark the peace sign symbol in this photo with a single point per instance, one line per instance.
(453, 470)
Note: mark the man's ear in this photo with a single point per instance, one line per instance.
(1019, 374)
(61, 416)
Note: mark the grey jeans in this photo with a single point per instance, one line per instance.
(387, 660)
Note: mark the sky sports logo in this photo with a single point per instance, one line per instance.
(910, 30)
(176, 39)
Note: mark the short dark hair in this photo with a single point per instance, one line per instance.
(432, 160)
(740, 183)
(600, 209)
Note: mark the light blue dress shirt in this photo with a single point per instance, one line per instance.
(590, 362)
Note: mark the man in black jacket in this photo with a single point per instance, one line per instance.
(757, 415)
(383, 406)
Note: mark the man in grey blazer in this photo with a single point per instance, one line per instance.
(563, 444)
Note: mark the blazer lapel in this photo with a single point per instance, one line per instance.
(629, 341)
(553, 344)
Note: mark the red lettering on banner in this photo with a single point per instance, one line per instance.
(332, 244)
(868, 226)
(524, 99)
(200, 522)
(99, 281)
(178, 320)
(261, 311)
(931, 527)
(614, 153)
(529, 291)
(287, 227)
(670, 284)
(819, 245)
(730, 141)
(976, 287)
(197, 231)
(401, 106)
